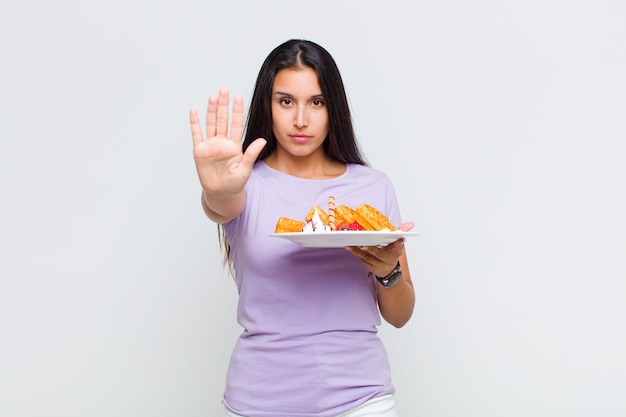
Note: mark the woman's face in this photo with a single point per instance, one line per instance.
(299, 113)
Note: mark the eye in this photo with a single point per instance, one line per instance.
(318, 102)
(285, 101)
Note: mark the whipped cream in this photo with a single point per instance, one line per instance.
(315, 224)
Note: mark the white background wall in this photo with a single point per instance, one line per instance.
(502, 125)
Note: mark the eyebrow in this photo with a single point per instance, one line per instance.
(282, 93)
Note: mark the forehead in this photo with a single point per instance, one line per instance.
(297, 81)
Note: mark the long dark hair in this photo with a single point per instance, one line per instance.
(340, 144)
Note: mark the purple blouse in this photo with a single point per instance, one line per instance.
(309, 345)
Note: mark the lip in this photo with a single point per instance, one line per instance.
(300, 138)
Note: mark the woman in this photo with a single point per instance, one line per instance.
(309, 345)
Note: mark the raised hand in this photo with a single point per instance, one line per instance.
(223, 168)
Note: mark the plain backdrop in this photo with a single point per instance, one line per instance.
(502, 125)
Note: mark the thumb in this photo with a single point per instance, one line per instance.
(252, 152)
(405, 227)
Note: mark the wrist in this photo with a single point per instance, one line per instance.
(222, 208)
(392, 278)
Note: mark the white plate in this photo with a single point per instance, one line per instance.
(339, 239)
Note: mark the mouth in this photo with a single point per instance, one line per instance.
(300, 138)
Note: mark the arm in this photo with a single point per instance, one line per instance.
(396, 303)
(222, 209)
(223, 169)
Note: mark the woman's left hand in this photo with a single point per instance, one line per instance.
(381, 260)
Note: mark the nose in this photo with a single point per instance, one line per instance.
(301, 119)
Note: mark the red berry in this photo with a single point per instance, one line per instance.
(355, 226)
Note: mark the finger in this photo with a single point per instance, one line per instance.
(211, 115)
(397, 246)
(196, 132)
(359, 252)
(405, 227)
(379, 263)
(252, 152)
(364, 253)
(382, 255)
(371, 262)
(389, 254)
(236, 128)
(221, 123)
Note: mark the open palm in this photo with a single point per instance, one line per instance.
(222, 166)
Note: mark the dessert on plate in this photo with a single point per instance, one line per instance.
(339, 218)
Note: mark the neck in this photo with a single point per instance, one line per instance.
(311, 167)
